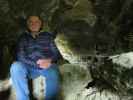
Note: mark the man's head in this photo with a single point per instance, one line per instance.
(34, 23)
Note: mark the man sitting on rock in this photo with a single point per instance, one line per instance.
(36, 55)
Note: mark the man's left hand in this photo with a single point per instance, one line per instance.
(44, 63)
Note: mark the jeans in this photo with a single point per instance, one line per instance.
(20, 73)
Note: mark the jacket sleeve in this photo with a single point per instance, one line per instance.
(22, 54)
(56, 53)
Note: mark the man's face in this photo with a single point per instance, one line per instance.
(34, 24)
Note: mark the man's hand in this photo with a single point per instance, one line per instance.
(44, 63)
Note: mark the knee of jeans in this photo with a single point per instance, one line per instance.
(17, 68)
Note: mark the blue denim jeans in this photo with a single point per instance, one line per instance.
(20, 73)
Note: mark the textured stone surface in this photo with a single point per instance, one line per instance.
(84, 29)
(115, 74)
(103, 25)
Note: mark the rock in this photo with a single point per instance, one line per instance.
(124, 59)
(115, 74)
(95, 94)
(74, 80)
(39, 87)
(84, 29)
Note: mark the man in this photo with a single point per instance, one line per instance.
(36, 55)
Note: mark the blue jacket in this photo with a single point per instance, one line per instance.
(30, 49)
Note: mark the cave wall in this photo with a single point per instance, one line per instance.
(81, 27)
(105, 25)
